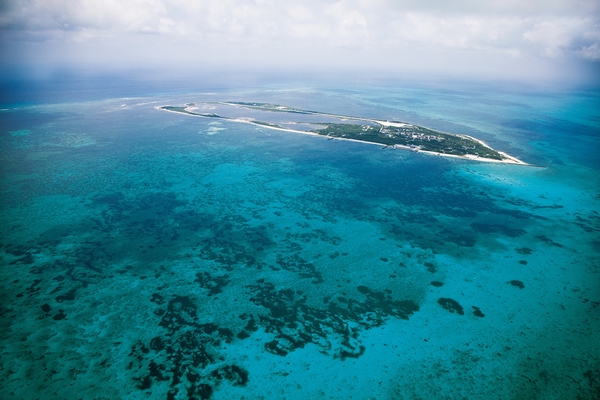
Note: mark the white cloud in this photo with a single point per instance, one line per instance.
(592, 52)
(554, 37)
(327, 32)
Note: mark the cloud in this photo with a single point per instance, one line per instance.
(324, 32)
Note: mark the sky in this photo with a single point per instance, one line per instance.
(494, 39)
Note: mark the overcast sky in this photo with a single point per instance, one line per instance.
(493, 38)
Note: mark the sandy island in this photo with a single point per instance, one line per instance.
(508, 160)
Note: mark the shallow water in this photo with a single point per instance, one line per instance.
(152, 255)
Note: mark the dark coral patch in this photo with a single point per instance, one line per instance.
(214, 284)
(188, 348)
(249, 328)
(437, 283)
(27, 259)
(523, 262)
(295, 263)
(549, 241)
(34, 288)
(363, 289)
(46, 308)
(237, 375)
(295, 323)
(60, 315)
(524, 250)
(518, 284)
(451, 305)
(430, 267)
(202, 391)
(477, 312)
(69, 296)
(463, 241)
(157, 298)
(283, 344)
(157, 343)
(158, 371)
(497, 228)
(243, 335)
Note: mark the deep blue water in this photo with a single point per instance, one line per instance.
(152, 255)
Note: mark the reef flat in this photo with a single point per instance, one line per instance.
(390, 134)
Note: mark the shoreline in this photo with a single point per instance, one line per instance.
(509, 159)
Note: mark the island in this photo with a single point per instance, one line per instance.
(388, 134)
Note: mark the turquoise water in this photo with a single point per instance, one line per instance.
(152, 255)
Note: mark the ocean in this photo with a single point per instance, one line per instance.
(146, 254)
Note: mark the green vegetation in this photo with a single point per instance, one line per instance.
(411, 135)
